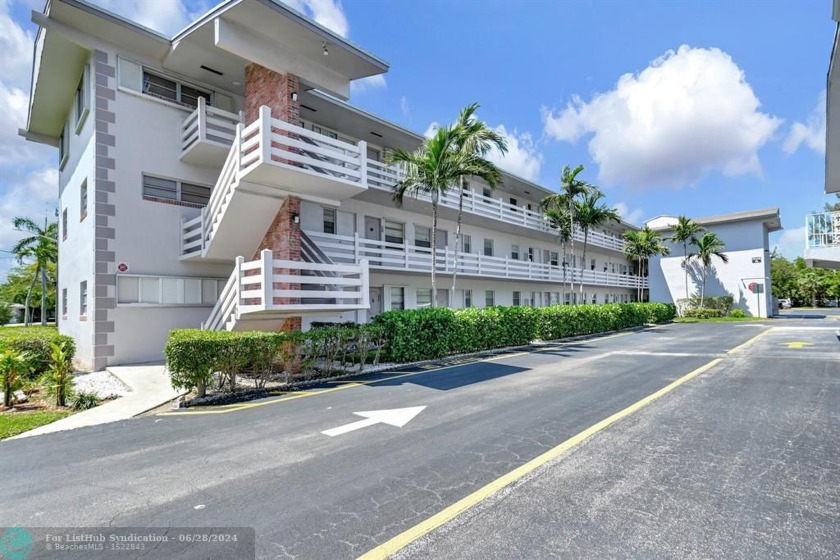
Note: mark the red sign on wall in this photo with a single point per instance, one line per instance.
(122, 267)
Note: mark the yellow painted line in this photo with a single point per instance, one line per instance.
(749, 342)
(796, 345)
(407, 537)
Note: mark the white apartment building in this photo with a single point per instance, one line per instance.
(220, 179)
(822, 229)
(746, 277)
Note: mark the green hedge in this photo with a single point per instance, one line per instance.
(35, 341)
(721, 303)
(422, 334)
(703, 313)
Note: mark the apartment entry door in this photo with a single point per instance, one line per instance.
(375, 302)
(442, 298)
(373, 232)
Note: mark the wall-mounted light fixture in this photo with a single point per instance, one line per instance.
(296, 218)
(326, 50)
(294, 96)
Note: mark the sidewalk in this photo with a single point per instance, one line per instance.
(150, 388)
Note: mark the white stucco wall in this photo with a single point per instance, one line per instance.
(744, 242)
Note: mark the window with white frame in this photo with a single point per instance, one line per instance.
(329, 220)
(158, 188)
(466, 243)
(423, 236)
(517, 298)
(489, 298)
(488, 247)
(142, 290)
(83, 200)
(554, 257)
(64, 224)
(530, 254)
(514, 252)
(468, 298)
(424, 297)
(82, 99)
(397, 298)
(83, 304)
(64, 301)
(488, 193)
(592, 264)
(172, 90)
(594, 299)
(63, 148)
(394, 232)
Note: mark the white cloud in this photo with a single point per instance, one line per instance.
(167, 17)
(791, 243)
(811, 133)
(329, 13)
(689, 113)
(522, 157)
(631, 216)
(16, 46)
(366, 84)
(404, 106)
(431, 129)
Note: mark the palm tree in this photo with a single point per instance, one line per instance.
(592, 213)
(434, 168)
(42, 245)
(474, 140)
(810, 284)
(570, 189)
(641, 245)
(685, 232)
(558, 217)
(708, 246)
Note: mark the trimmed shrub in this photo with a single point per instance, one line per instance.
(36, 343)
(703, 313)
(721, 303)
(737, 314)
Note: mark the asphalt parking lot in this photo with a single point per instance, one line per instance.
(736, 457)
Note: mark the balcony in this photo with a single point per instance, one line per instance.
(822, 240)
(382, 176)
(402, 257)
(207, 134)
(260, 294)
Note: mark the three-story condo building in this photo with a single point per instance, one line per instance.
(220, 179)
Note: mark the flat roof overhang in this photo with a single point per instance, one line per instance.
(832, 146)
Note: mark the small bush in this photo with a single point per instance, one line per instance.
(737, 314)
(5, 314)
(703, 313)
(36, 343)
(721, 303)
(83, 401)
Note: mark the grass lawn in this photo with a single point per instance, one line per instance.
(13, 423)
(718, 319)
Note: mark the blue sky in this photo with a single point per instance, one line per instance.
(696, 108)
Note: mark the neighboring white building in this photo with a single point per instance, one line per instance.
(746, 237)
(219, 178)
(822, 230)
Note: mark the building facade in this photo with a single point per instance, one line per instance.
(220, 179)
(746, 277)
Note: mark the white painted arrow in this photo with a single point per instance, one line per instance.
(398, 417)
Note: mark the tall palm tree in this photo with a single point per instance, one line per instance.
(685, 233)
(570, 189)
(558, 217)
(42, 246)
(434, 168)
(592, 213)
(707, 247)
(810, 284)
(641, 245)
(474, 140)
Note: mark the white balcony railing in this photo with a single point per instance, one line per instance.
(208, 124)
(383, 176)
(822, 230)
(399, 256)
(269, 286)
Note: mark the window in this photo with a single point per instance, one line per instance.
(514, 252)
(83, 298)
(530, 254)
(135, 289)
(466, 243)
(394, 232)
(487, 193)
(329, 220)
(514, 202)
(397, 299)
(488, 247)
(424, 297)
(64, 224)
(83, 198)
(592, 264)
(64, 301)
(467, 298)
(170, 90)
(82, 100)
(170, 189)
(423, 236)
(554, 257)
(489, 298)
(63, 148)
(594, 299)
(517, 298)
